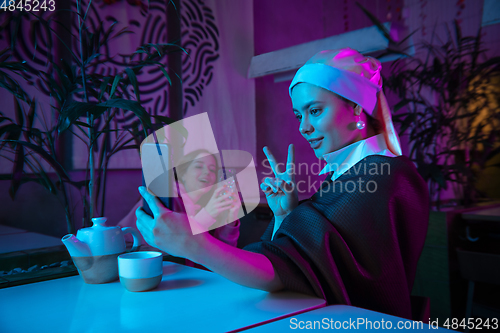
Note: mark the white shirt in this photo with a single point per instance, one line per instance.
(343, 159)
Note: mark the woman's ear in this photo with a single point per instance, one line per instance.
(357, 110)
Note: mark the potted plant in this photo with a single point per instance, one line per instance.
(448, 107)
(449, 110)
(85, 103)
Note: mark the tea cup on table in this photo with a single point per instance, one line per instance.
(140, 271)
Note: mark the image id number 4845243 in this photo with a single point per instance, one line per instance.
(471, 323)
(28, 5)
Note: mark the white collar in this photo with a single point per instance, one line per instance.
(343, 159)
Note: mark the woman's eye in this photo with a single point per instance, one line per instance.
(314, 111)
(298, 116)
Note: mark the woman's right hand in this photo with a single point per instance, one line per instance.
(281, 190)
(217, 204)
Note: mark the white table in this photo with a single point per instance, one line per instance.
(345, 318)
(187, 300)
(14, 239)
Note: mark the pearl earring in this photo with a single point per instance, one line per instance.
(360, 124)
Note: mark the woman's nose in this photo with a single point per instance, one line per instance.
(305, 127)
(205, 171)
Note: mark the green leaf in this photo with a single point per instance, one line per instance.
(103, 87)
(81, 123)
(169, 121)
(127, 147)
(57, 90)
(115, 84)
(36, 134)
(49, 41)
(29, 119)
(166, 75)
(407, 37)
(43, 154)
(10, 128)
(14, 32)
(14, 66)
(5, 118)
(27, 179)
(45, 180)
(407, 122)
(69, 70)
(401, 104)
(377, 23)
(92, 57)
(121, 32)
(19, 112)
(157, 48)
(133, 106)
(34, 26)
(4, 51)
(64, 79)
(74, 110)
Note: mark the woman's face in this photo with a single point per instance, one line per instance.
(326, 121)
(200, 174)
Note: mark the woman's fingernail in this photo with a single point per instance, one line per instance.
(141, 189)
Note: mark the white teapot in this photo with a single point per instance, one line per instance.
(95, 250)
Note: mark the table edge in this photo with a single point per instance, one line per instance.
(315, 307)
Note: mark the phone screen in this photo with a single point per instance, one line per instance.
(155, 159)
(167, 201)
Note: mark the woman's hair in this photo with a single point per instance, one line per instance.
(184, 164)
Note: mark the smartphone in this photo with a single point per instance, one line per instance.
(157, 173)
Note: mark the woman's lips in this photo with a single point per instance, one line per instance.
(203, 180)
(316, 143)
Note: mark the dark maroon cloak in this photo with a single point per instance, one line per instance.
(359, 248)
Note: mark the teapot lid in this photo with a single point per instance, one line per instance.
(98, 226)
(99, 223)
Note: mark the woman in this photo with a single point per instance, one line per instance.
(356, 246)
(202, 202)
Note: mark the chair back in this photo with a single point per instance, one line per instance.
(479, 267)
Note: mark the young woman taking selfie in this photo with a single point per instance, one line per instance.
(358, 239)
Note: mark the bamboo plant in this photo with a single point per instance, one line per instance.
(84, 106)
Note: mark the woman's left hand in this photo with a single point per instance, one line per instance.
(166, 230)
(234, 210)
(281, 191)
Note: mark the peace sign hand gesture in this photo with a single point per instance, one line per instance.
(281, 190)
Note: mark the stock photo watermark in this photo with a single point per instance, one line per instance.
(356, 183)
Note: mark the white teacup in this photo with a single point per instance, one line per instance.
(140, 271)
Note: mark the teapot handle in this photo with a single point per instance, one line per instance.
(135, 235)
